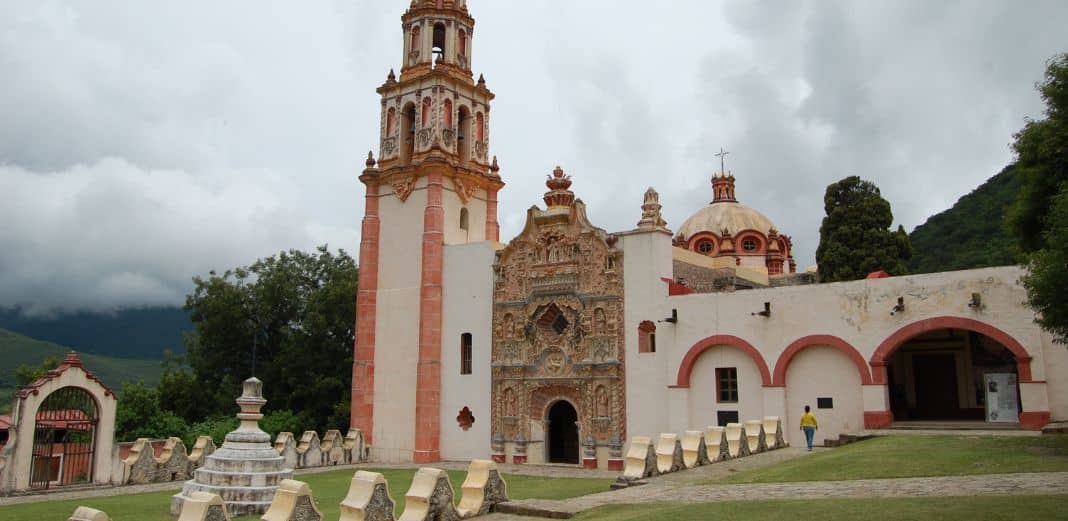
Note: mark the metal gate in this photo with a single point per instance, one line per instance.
(64, 440)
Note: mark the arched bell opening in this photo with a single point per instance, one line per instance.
(408, 133)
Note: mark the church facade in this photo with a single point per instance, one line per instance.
(563, 342)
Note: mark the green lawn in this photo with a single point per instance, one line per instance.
(910, 456)
(329, 489)
(948, 508)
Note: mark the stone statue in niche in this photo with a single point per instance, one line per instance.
(602, 402)
(508, 402)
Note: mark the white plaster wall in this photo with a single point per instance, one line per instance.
(823, 372)
(1056, 357)
(397, 325)
(859, 313)
(646, 258)
(476, 216)
(467, 299)
(703, 393)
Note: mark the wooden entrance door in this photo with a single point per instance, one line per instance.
(935, 377)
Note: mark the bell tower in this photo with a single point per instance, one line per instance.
(434, 184)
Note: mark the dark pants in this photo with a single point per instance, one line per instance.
(810, 433)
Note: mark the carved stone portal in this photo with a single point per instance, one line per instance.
(558, 323)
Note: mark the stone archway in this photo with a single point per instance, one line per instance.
(74, 403)
(563, 437)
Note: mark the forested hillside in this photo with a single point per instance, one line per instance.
(131, 333)
(972, 233)
(19, 350)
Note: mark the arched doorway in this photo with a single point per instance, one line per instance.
(953, 374)
(563, 433)
(64, 440)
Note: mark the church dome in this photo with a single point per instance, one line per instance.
(725, 215)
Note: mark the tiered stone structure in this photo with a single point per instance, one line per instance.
(247, 470)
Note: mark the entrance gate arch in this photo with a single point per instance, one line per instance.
(562, 420)
(64, 440)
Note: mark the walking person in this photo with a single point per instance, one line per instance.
(808, 426)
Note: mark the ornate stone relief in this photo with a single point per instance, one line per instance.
(557, 324)
(403, 186)
(464, 188)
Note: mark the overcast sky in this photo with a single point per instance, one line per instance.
(145, 142)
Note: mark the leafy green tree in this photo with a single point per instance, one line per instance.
(298, 309)
(139, 415)
(1042, 159)
(855, 238)
(27, 374)
(178, 391)
(1047, 279)
(1040, 216)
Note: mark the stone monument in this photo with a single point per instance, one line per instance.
(246, 470)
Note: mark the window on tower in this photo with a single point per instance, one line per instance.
(465, 354)
(463, 219)
(439, 42)
(408, 132)
(463, 146)
(749, 245)
(705, 247)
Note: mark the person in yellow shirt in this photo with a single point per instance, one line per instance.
(808, 426)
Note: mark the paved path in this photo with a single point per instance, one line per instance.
(693, 487)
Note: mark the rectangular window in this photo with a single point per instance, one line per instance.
(825, 403)
(465, 353)
(652, 342)
(725, 417)
(727, 384)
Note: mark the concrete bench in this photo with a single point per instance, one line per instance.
(754, 435)
(668, 453)
(737, 445)
(203, 506)
(368, 499)
(89, 514)
(292, 502)
(430, 498)
(694, 453)
(773, 436)
(716, 443)
(641, 459)
(482, 489)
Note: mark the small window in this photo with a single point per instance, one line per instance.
(725, 417)
(463, 218)
(705, 247)
(465, 353)
(439, 39)
(727, 384)
(749, 245)
(647, 337)
(652, 342)
(825, 403)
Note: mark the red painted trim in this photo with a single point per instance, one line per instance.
(686, 367)
(674, 288)
(518, 460)
(589, 463)
(362, 408)
(493, 229)
(882, 354)
(615, 464)
(1035, 420)
(428, 372)
(498, 458)
(878, 419)
(779, 378)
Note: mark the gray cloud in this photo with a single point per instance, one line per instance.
(144, 143)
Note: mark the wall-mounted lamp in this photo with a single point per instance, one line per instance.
(899, 308)
(766, 313)
(976, 302)
(674, 318)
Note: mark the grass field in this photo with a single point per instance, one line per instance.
(896, 509)
(329, 489)
(910, 456)
(18, 350)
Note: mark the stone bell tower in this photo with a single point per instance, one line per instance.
(434, 184)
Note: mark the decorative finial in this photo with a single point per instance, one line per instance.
(494, 167)
(481, 80)
(370, 159)
(651, 217)
(72, 360)
(558, 194)
(722, 155)
(392, 77)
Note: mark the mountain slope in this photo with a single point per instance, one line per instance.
(17, 350)
(971, 234)
(129, 333)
